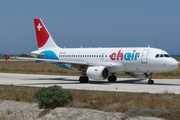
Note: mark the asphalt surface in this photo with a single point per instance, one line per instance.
(72, 82)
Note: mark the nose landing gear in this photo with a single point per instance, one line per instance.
(150, 81)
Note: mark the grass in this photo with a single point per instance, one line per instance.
(166, 105)
(28, 67)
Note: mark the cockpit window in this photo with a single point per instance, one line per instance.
(161, 55)
(157, 55)
(166, 55)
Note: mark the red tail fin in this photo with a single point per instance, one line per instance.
(41, 32)
(44, 39)
(7, 57)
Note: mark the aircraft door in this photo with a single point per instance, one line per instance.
(144, 58)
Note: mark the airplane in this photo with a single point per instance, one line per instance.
(100, 63)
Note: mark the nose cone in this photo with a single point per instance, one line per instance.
(173, 64)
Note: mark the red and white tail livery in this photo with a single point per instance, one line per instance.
(44, 39)
(101, 63)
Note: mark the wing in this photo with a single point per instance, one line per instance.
(58, 62)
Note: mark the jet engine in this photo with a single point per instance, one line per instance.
(98, 72)
(138, 75)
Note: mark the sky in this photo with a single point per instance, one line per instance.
(93, 23)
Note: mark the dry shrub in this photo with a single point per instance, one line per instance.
(44, 112)
(148, 112)
(140, 112)
(162, 112)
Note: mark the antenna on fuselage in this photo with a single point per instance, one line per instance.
(148, 46)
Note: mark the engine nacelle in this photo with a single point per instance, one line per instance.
(98, 72)
(138, 75)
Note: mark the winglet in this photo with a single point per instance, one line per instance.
(7, 57)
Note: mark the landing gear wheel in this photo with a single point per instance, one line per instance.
(150, 81)
(112, 78)
(83, 79)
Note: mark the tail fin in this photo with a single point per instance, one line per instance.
(44, 39)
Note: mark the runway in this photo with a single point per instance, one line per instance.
(72, 82)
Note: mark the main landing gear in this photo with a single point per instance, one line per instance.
(112, 78)
(83, 79)
(150, 81)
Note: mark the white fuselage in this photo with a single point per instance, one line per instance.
(143, 60)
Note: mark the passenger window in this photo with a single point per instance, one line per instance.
(157, 55)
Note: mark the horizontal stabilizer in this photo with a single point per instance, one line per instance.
(42, 55)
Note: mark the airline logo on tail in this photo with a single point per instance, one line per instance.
(39, 27)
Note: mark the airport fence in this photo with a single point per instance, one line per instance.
(32, 115)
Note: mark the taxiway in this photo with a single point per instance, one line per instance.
(72, 82)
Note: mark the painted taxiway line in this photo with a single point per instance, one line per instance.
(72, 82)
